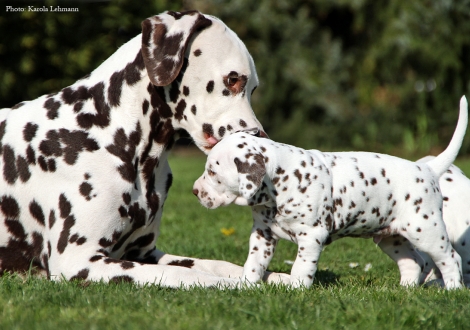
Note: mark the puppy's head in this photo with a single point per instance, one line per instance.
(234, 172)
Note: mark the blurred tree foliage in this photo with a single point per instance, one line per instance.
(42, 52)
(335, 74)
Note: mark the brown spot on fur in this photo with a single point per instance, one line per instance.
(81, 275)
(210, 86)
(188, 263)
(255, 172)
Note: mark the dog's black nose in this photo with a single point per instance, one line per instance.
(195, 192)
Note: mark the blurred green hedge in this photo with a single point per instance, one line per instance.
(335, 74)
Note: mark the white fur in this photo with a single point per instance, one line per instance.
(310, 197)
(97, 216)
(455, 188)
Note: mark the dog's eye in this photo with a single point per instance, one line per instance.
(232, 81)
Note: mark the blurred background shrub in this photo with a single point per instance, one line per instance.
(373, 75)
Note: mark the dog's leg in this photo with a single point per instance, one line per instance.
(430, 272)
(217, 268)
(430, 237)
(75, 264)
(408, 260)
(262, 245)
(310, 244)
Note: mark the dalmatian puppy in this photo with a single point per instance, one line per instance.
(455, 188)
(312, 198)
(84, 171)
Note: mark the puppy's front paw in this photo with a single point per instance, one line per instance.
(251, 277)
(301, 283)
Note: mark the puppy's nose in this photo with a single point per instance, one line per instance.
(195, 192)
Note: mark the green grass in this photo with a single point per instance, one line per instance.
(341, 297)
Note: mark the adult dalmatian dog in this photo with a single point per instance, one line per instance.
(312, 198)
(84, 172)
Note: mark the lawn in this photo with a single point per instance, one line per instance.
(341, 297)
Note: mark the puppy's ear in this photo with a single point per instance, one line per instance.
(164, 41)
(250, 175)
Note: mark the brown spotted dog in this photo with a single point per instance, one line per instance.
(84, 171)
(455, 188)
(312, 198)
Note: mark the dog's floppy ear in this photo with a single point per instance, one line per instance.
(250, 175)
(164, 41)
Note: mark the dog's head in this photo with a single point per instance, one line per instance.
(234, 172)
(207, 72)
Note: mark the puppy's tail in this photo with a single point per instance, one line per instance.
(441, 163)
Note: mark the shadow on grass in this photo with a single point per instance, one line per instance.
(326, 278)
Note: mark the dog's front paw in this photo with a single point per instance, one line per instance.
(276, 278)
(301, 283)
(251, 277)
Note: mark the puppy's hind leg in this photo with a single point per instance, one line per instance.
(431, 274)
(409, 261)
(430, 237)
